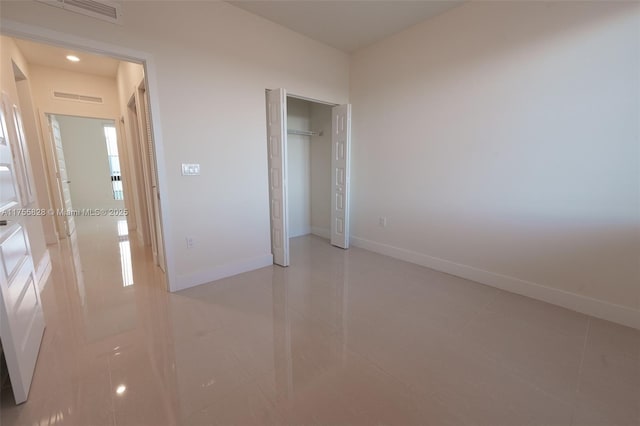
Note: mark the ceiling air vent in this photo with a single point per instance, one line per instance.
(76, 97)
(100, 9)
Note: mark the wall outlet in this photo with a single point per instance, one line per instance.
(190, 242)
(382, 221)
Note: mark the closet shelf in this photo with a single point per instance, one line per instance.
(303, 132)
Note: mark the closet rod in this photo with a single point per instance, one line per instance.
(303, 132)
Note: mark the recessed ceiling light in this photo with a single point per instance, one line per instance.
(73, 58)
(120, 390)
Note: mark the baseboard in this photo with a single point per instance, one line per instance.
(321, 232)
(305, 231)
(222, 271)
(43, 270)
(586, 305)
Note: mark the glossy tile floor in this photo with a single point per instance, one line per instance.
(339, 338)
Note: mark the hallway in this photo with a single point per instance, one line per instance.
(339, 337)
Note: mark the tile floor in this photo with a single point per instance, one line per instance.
(339, 338)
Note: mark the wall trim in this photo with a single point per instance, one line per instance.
(222, 271)
(305, 231)
(43, 270)
(576, 302)
(321, 232)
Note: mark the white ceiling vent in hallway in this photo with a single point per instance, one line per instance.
(100, 9)
(76, 97)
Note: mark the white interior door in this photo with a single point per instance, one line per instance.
(21, 317)
(277, 152)
(62, 176)
(143, 149)
(340, 174)
(155, 194)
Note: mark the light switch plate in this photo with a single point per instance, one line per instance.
(190, 169)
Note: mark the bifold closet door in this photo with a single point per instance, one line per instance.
(277, 152)
(340, 174)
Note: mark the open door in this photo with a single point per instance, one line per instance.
(340, 174)
(62, 176)
(21, 317)
(277, 152)
(155, 193)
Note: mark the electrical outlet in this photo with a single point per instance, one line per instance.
(382, 221)
(190, 242)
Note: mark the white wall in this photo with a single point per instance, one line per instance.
(86, 158)
(501, 141)
(44, 80)
(298, 168)
(321, 170)
(213, 67)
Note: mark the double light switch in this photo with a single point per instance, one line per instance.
(190, 169)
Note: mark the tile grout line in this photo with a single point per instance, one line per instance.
(584, 350)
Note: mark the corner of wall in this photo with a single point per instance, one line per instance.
(221, 271)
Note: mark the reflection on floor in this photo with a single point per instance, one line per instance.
(338, 338)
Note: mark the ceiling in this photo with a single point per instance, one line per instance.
(347, 25)
(55, 57)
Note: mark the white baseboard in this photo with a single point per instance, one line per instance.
(305, 231)
(321, 232)
(586, 305)
(221, 271)
(43, 270)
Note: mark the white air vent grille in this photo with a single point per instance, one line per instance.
(77, 97)
(100, 9)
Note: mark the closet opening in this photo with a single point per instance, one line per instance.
(308, 156)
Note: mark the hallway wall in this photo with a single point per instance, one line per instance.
(46, 79)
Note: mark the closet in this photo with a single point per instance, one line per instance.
(309, 168)
(308, 156)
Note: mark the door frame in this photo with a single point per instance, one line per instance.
(284, 159)
(43, 35)
(146, 131)
(147, 176)
(137, 164)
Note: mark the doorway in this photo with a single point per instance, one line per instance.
(146, 62)
(148, 195)
(308, 148)
(85, 149)
(46, 88)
